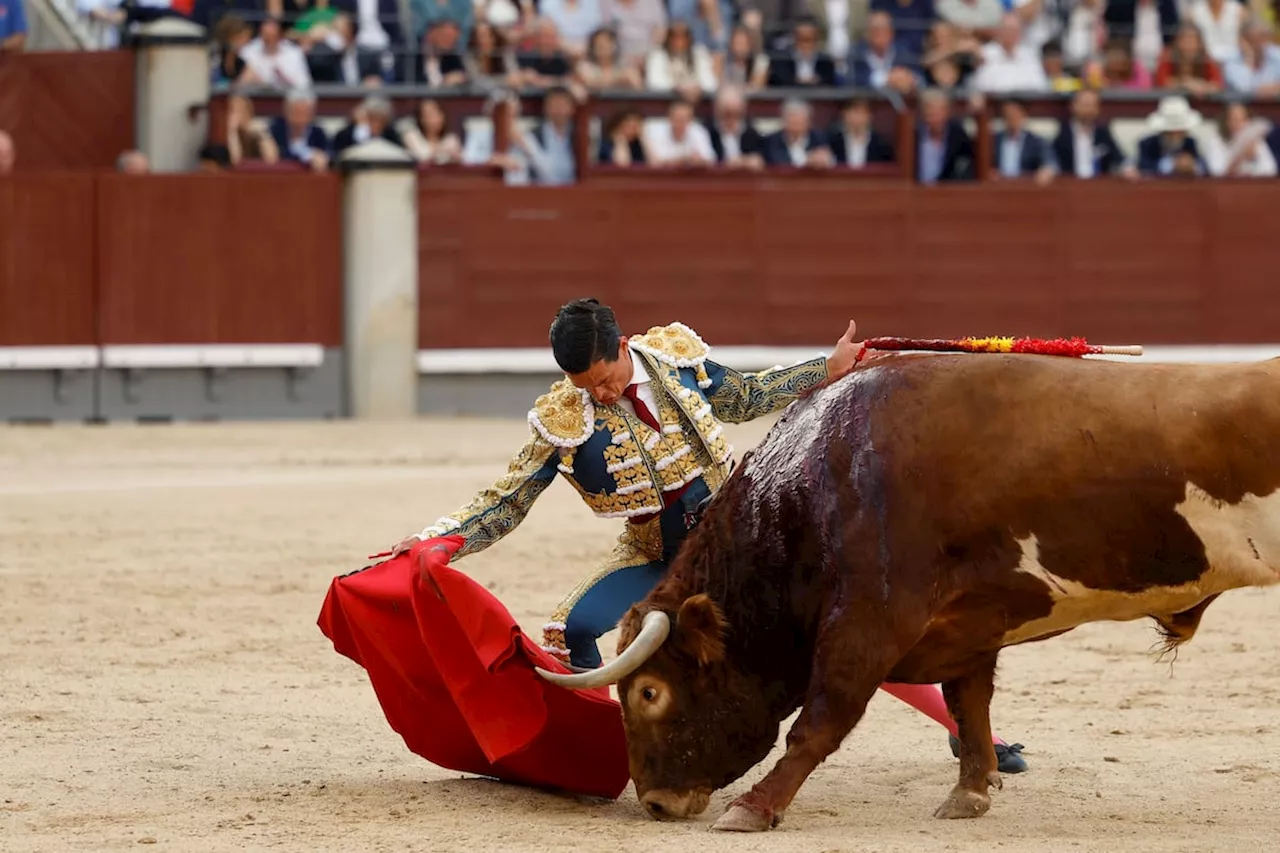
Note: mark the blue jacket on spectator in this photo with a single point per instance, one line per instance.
(859, 73)
(956, 158)
(1036, 153)
(775, 150)
(878, 148)
(1107, 157)
(912, 20)
(316, 140)
(1154, 160)
(424, 13)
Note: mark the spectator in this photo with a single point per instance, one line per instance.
(1007, 65)
(948, 44)
(1186, 65)
(1149, 23)
(1055, 70)
(1019, 152)
(797, 143)
(425, 13)
(430, 138)
(554, 135)
(679, 141)
(246, 141)
(743, 64)
(546, 65)
(8, 153)
(944, 152)
(377, 30)
(1042, 20)
(440, 61)
(708, 21)
(489, 59)
(373, 119)
(1245, 147)
(231, 35)
(978, 17)
(737, 145)
(621, 145)
(13, 26)
(106, 21)
(274, 60)
(945, 75)
(297, 136)
(575, 21)
(804, 64)
(1085, 33)
(876, 62)
(338, 57)
(1171, 150)
(1118, 70)
(842, 20)
(680, 65)
(523, 162)
(133, 162)
(1220, 23)
(602, 67)
(1257, 69)
(1084, 146)
(856, 143)
(912, 20)
(640, 26)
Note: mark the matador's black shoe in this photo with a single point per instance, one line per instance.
(1008, 757)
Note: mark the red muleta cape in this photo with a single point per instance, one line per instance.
(454, 675)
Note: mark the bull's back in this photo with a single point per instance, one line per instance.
(1089, 490)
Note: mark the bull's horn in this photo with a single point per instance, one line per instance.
(653, 631)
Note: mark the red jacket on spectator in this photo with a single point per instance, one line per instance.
(1164, 71)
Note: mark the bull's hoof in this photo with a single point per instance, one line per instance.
(740, 818)
(995, 781)
(962, 804)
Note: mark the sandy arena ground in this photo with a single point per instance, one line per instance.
(163, 681)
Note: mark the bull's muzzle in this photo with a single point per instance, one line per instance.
(672, 805)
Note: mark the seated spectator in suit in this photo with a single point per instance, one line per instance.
(439, 62)
(1018, 152)
(546, 64)
(620, 143)
(798, 143)
(338, 58)
(1007, 64)
(1084, 147)
(374, 118)
(297, 136)
(911, 22)
(1171, 151)
(523, 162)
(679, 141)
(274, 60)
(856, 142)
(554, 135)
(944, 152)
(804, 63)
(737, 144)
(877, 62)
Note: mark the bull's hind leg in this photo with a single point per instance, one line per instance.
(836, 700)
(969, 702)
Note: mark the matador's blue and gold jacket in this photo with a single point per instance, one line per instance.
(619, 464)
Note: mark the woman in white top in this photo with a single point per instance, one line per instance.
(429, 138)
(1220, 23)
(1240, 150)
(743, 65)
(680, 63)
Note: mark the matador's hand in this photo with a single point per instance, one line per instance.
(847, 353)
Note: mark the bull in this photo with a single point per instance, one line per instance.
(910, 520)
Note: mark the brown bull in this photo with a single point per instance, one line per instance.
(911, 520)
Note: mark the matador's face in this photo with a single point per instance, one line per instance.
(605, 380)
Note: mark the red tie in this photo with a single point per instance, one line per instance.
(642, 411)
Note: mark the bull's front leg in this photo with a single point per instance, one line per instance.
(969, 703)
(834, 703)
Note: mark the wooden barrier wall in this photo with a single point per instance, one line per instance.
(786, 260)
(170, 259)
(68, 111)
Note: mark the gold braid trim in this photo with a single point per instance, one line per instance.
(637, 545)
(677, 345)
(564, 416)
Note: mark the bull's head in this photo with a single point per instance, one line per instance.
(694, 721)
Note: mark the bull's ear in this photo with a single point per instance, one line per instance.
(702, 627)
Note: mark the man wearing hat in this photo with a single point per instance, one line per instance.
(1170, 150)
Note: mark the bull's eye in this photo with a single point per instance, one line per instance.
(649, 694)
